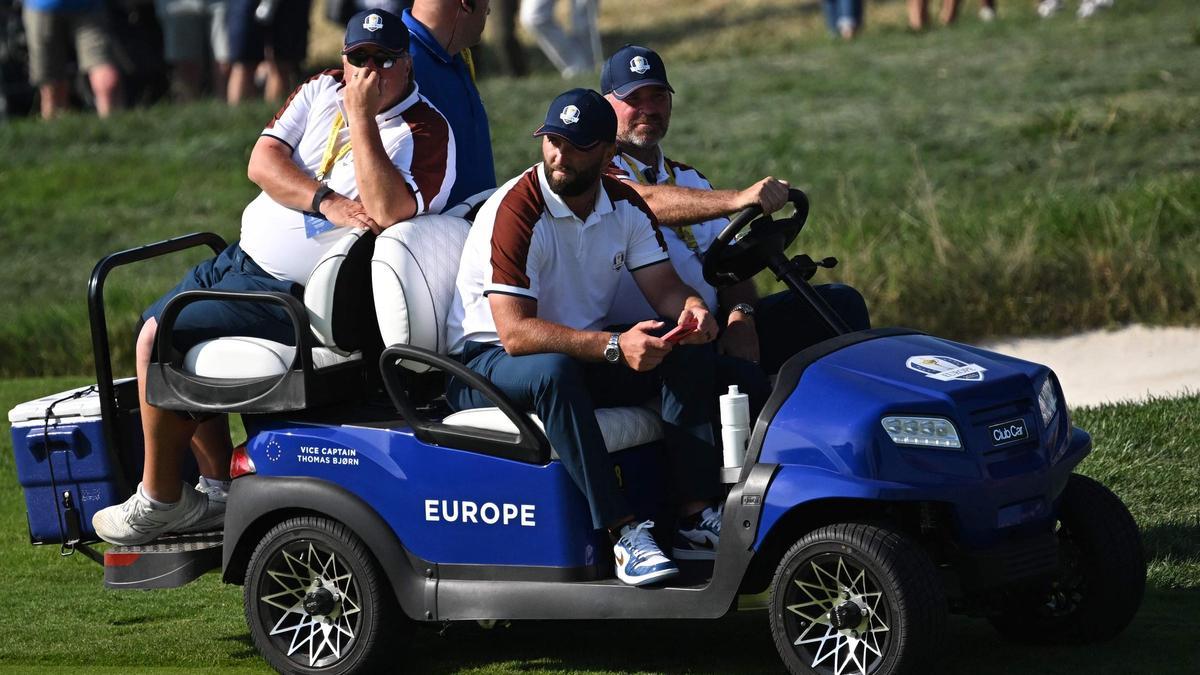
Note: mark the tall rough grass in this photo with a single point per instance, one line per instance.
(1020, 177)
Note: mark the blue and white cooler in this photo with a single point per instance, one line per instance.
(64, 464)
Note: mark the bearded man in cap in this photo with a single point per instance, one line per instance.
(538, 273)
(352, 148)
(771, 330)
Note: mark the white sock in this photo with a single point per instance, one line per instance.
(154, 503)
(206, 484)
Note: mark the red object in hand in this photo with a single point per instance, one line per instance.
(681, 331)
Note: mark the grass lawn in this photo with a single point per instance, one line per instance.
(1047, 167)
(56, 614)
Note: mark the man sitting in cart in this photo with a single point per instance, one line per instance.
(538, 274)
(770, 330)
(358, 147)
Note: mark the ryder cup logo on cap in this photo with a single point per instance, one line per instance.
(631, 68)
(377, 28)
(582, 117)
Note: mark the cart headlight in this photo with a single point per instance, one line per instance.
(933, 432)
(1047, 400)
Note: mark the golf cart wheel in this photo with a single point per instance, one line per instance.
(1101, 575)
(854, 599)
(315, 599)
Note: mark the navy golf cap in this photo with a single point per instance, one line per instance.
(377, 28)
(581, 116)
(631, 68)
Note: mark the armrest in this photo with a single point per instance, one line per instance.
(291, 306)
(99, 324)
(530, 443)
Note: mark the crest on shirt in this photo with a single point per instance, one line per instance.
(618, 261)
(639, 65)
(569, 115)
(373, 22)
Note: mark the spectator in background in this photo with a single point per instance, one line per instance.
(193, 30)
(442, 33)
(50, 27)
(918, 13)
(844, 17)
(572, 53)
(271, 31)
(1046, 8)
(511, 53)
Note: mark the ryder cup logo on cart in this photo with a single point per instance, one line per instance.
(373, 22)
(639, 65)
(945, 368)
(569, 115)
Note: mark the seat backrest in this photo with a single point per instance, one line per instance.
(468, 207)
(338, 295)
(413, 273)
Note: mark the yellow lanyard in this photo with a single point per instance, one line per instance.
(329, 159)
(684, 231)
(470, 61)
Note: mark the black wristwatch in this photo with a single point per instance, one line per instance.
(612, 353)
(746, 309)
(323, 191)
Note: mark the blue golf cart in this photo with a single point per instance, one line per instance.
(891, 478)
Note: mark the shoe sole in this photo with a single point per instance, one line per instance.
(648, 578)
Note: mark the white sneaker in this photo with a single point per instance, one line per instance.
(987, 14)
(639, 560)
(213, 517)
(138, 521)
(1047, 7)
(1086, 9)
(700, 540)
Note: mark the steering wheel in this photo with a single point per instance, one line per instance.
(732, 258)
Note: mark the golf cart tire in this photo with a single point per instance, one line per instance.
(901, 604)
(1102, 574)
(281, 576)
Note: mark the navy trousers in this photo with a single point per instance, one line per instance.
(564, 392)
(231, 270)
(786, 324)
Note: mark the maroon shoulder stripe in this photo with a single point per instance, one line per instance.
(680, 166)
(335, 73)
(431, 148)
(619, 191)
(512, 233)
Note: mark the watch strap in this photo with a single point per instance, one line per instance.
(323, 191)
(745, 308)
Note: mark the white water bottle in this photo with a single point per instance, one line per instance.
(735, 426)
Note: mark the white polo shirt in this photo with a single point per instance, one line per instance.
(527, 242)
(686, 244)
(288, 243)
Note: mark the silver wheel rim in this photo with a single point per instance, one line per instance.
(294, 571)
(820, 585)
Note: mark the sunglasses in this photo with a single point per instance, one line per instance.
(359, 58)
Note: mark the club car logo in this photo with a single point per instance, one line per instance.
(639, 65)
(569, 115)
(373, 22)
(487, 513)
(945, 368)
(619, 261)
(1007, 433)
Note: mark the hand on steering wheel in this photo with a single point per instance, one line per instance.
(731, 259)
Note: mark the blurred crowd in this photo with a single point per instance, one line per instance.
(107, 54)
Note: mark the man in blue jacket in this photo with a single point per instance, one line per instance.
(442, 33)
